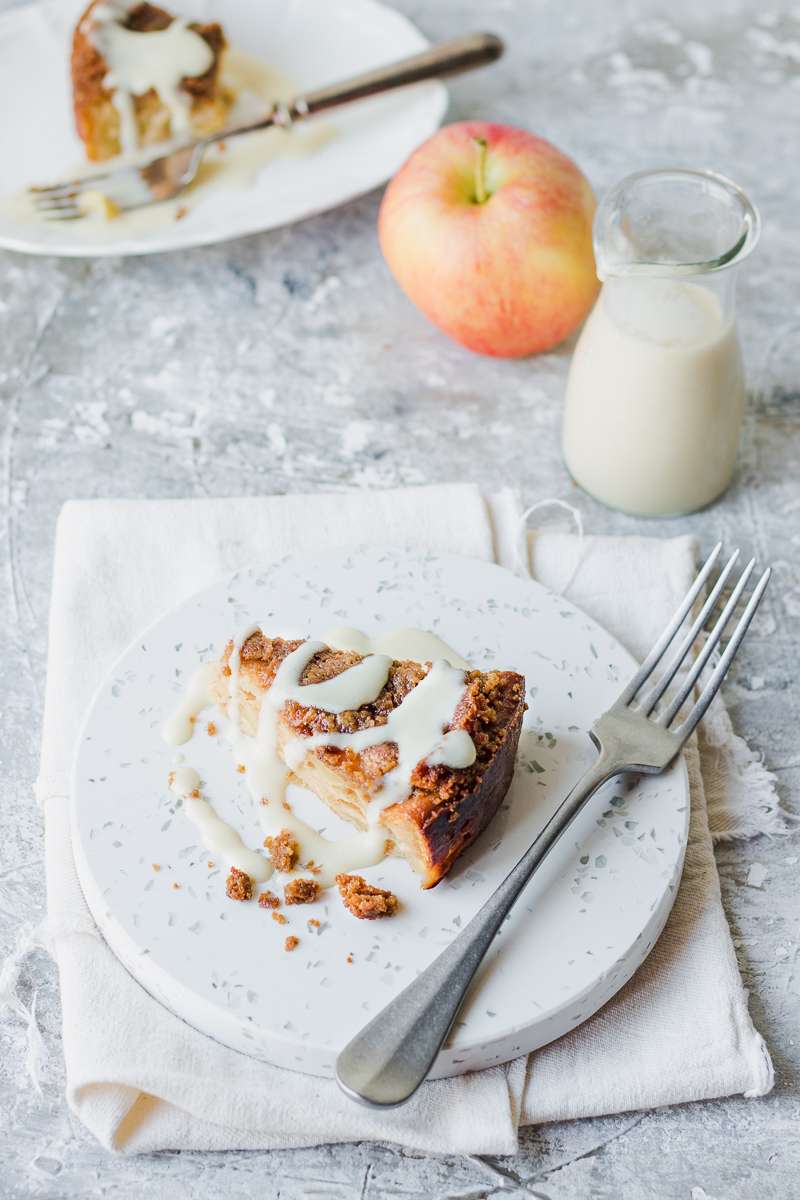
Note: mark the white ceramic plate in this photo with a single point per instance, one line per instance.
(586, 922)
(310, 42)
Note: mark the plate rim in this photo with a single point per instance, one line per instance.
(631, 961)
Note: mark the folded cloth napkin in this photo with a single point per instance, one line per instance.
(141, 1079)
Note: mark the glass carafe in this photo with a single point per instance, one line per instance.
(655, 396)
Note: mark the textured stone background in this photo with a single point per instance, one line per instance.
(290, 361)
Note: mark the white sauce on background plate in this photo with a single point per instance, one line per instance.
(231, 166)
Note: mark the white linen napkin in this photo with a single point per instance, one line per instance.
(140, 1078)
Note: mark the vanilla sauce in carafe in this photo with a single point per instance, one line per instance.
(655, 396)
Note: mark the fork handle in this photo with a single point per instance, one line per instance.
(447, 58)
(386, 1062)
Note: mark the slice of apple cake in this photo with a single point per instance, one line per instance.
(424, 750)
(141, 75)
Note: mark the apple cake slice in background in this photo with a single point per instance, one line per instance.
(141, 75)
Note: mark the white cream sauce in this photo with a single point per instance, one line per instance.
(418, 727)
(358, 685)
(179, 727)
(217, 835)
(138, 61)
(267, 774)
(456, 750)
(416, 645)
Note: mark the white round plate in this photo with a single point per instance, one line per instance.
(309, 42)
(586, 922)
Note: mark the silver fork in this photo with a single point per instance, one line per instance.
(386, 1062)
(163, 177)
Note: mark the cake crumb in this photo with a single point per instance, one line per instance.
(363, 900)
(175, 886)
(291, 942)
(211, 729)
(239, 885)
(181, 212)
(279, 917)
(171, 778)
(156, 866)
(268, 900)
(241, 768)
(301, 891)
(210, 865)
(282, 850)
(313, 923)
(349, 959)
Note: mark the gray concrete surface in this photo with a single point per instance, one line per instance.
(290, 361)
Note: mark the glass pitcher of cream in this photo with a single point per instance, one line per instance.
(655, 396)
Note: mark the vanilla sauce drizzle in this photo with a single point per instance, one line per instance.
(417, 727)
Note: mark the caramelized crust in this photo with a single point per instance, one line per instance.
(446, 808)
(96, 117)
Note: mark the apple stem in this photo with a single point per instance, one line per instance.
(481, 195)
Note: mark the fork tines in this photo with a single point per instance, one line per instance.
(681, 657)
(58, 201)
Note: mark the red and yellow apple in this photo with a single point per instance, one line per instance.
(488, 230)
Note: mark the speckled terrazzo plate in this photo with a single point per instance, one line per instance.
(585, 923)
(308, 42)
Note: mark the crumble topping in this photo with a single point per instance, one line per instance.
(279, 917)
(291, 942)
(283, 850)
(489, 702)
(363, 900)
(211, 729)
(268, 900)
(301, 891)
(239, 885)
